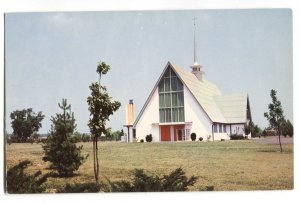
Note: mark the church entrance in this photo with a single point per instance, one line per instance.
(172, 132)
(165, 133)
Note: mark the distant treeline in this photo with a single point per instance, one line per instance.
(77, 137)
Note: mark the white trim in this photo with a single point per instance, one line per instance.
(151, 94)
(173, 123)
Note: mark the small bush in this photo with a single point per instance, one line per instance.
(193, 136)
(142, 140)
(149, 138)
(20, 182)
(237, 137)
(43, 140)
(207, 188)
(222, 140)
(80, 188)
(200, 139)
(175, 181)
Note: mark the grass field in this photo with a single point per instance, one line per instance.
(229, 165)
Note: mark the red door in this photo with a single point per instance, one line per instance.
(165, 133)
(178, 134)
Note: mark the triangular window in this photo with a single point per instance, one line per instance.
(171, 98)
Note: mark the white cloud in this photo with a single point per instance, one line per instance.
(60, 19)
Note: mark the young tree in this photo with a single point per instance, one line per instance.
(25, 122)
(60, 148)
(275, 115)
(101, 107)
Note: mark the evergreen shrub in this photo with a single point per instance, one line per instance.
(149, 138)
(20, 182)
(193, 136)
(142, 182)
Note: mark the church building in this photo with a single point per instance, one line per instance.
(182, 102)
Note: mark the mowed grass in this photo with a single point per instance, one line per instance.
(229, 165)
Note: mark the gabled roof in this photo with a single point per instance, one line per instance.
(233, 107)
(219, 108)
(203, 91)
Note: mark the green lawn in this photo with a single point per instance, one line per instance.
(229, 165)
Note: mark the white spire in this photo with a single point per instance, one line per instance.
(195, 43)
(196, 67)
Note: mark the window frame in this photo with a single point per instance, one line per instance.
(175, 100)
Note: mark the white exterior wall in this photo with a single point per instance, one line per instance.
(201, 124)
(238, 129)
(197, 119)
(222, 135)
(148, 122)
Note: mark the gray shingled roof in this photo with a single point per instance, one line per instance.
(220, 108)
(233, 107)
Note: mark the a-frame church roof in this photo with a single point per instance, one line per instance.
(219, 108)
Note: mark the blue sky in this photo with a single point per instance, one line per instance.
(50, 56)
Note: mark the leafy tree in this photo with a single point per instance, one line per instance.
(85, 137)
(275, 115)
(101, 107)
(287, 128)
(117, 135)
(256, 131)
(253, 129)
(60, 148)
(248, 128)
(264, 132)
(108, 134)
(175, 181)
(25, 122)
(20, 182)
(77, 137)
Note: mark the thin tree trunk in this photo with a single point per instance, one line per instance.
(97, 160)
(94, 157)
(280, 144)
(279, 133)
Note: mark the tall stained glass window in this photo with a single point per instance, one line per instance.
(171, 100)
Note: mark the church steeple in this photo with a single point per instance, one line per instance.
(196, 67)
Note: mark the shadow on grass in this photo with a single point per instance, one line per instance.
(54, 174)
(284, 151)
(80, 188)
(267, 150)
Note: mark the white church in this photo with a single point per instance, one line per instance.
(182, 102)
